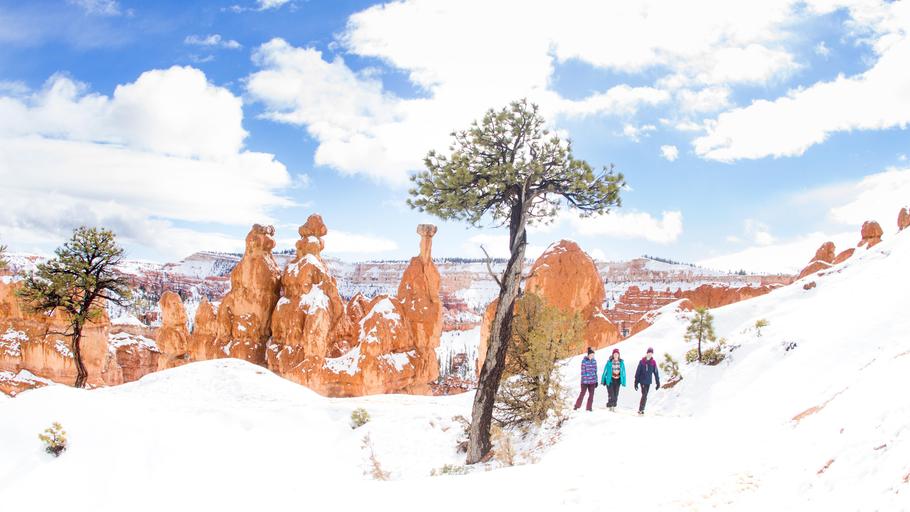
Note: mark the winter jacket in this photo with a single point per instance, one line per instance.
(588, 371)
(645, 369)
(608, 373)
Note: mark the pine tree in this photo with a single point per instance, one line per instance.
(507, 169)
(3, 263)
(701, 329)
(77, 281)
(542, 335)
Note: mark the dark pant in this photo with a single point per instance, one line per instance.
(613, 392)
(590, 389)
(644, 397)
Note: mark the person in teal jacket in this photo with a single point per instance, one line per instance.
(614, 376)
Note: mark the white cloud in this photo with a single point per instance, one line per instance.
(876, 197)
(632, 224)
(786, 257)
(212, 40)
(270, 4)
(669, 153)
(876, 99)
(758, 232)
(709, 99)
(822, 49)
(361, 127)
(341, 242)
(637, 132)
(166, 148)
(13, 88)
(98, 7)
(364, 129)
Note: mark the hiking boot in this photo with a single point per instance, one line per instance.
(641, 413)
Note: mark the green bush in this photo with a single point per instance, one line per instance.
(359, 417)
(710, 356)
(532, 389)
(54, 439)
(759, 325)
(670, 367)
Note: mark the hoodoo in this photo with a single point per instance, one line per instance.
(173, 336)
(245, 314)
(565, 277)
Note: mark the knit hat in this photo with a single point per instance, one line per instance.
(615, 350)
(650, 350)
(590, 350)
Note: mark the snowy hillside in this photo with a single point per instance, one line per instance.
(812, 415)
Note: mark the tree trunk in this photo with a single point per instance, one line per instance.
(81, 372)
(699, 347)
(479, 443)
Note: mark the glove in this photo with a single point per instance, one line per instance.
(636, 386)
(658, 385)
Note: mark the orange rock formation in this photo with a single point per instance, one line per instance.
(871, 234)
(173, 336)
(245, 313)
(564, 276)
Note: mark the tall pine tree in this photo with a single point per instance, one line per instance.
(77, 281)
(508, 170)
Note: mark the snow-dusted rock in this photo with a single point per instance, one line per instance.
(245, 313)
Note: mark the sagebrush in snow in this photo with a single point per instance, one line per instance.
(54, 439)
(760, 324)
(375, 468)
(503, 449)
(449, 469)
(359, 417)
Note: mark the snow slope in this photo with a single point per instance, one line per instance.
(226, 435)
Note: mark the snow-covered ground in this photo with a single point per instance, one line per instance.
(812, 415)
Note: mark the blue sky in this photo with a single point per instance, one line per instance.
(748, 133)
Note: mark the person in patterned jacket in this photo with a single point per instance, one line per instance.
(646, 368)
(588, 379)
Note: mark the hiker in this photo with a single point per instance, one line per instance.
(614, 376)
(646, 367)
(588, 379)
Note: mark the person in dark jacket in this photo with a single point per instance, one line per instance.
(614, 376)
(588, 379)
(646, 368)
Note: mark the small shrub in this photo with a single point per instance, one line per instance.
(359, 417)
(375, 468)
(713, 356)
(54, 439)
(789, 345)
(449, 469)
(670, 367)
(532, 387)
(503, 449)
(759, 325)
